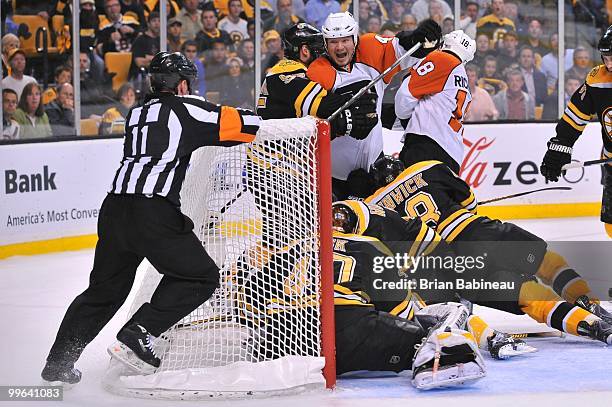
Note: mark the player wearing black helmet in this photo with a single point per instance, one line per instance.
(593, 97)
(141, 218)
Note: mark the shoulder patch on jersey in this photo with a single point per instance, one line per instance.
(432, 73)
(285, 66)
(599, 77)
(322, 72)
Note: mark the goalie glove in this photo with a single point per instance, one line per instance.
(448, 357)
(428, 33)
(559, 153)
(357, 120)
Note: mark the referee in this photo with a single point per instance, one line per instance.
(141, 218)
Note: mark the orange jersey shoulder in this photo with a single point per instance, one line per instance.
(431, 75)
(377, 52)
(322, 72)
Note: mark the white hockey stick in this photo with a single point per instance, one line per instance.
(578, 164)
(374, 81)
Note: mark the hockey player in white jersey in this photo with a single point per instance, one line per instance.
(437, 85)
(352, 61)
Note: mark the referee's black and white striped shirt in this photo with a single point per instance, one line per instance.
(161, 134)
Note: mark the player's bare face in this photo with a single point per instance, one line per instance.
(607, 60)
(341, 50)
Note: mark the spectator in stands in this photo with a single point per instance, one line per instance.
(409, 23)
(191, 19)
(88, 25)
(448, 24)
(10, 128)
(285, 17)
(374, 24)
(491, 79)
(233, 24)
(549, 65)
(395, 16)
(174, 35)
(551, 107)
(468, 21)
(33, 7)
(63, 74)
(237, 89)
(535, 80)
(145, 47)
(436, 11)
(136, 10)
(61, 111)
(113, 120)
(421, 9)
(496, 24)
(247, 54)
(316, 11)
(251, 28)
(533, 39)
(508, 54)
(210, 33)
(92, 85)
(30, 114)
(190, 49)
(116, 31)
(511, 12)
(17, 80)
(582, 63)
(272, 42)
(482, 107)
(172, 7)
(10, 42)
(483, 49)
(215, 66)
(512, 103)
(365, 11)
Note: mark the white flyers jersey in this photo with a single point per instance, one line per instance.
(436, 97)
(374, 54)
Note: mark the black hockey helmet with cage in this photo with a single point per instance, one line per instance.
(303, 34)
(605, 43)
(167, 69)
(344, 220)
(385, 170)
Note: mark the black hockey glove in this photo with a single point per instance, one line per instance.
(427, 30)
(559, 153)
(357, 120)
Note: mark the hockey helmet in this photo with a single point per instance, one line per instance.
(460, 44)
(605, 42)
(167, 69)
(303, 34)
(340, 25)
(385, 170)
(344, 220)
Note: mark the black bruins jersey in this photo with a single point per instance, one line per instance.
(594, 97)
(430, 191)
(288, 93)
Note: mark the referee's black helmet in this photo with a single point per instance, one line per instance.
(303, 34)
(167, 69)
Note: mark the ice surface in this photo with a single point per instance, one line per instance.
(35, 291)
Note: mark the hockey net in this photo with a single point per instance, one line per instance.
(261, 212)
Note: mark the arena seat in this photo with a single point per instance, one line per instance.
(89, 127)
(118, 63)
(35, 24)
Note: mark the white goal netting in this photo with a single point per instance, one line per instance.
(255, 208)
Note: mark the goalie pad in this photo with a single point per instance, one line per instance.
(448, 357)
(451, 315)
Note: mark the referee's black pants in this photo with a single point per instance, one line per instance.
(131, 228)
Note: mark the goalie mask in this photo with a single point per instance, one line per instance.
(344, 219)
(385, 170)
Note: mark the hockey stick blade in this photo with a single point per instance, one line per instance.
(501, 198)
(578, 164)
(374, 81)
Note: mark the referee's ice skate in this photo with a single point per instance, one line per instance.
(134, 348)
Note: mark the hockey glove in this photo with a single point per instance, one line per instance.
(428, 31)
(358, 120)
(559, 153)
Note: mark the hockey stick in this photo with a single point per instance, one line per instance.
(488, 201)
(549, 334)
(374, 81)
(579, 164)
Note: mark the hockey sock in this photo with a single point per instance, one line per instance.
(411, 304)
(543, 305)
(481, 331)
(608, 227)
(567, 283)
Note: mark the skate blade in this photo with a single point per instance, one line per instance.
(450, 376)
(507, 351)
(56, 383)
(126, 356)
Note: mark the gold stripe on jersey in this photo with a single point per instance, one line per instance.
(404, 181)
(300, 99)
(454, 224)
(346, 296)
(470, 203)
(577, 112)
(380, 246)
(568, 119)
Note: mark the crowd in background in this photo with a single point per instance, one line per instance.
(513, 75)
